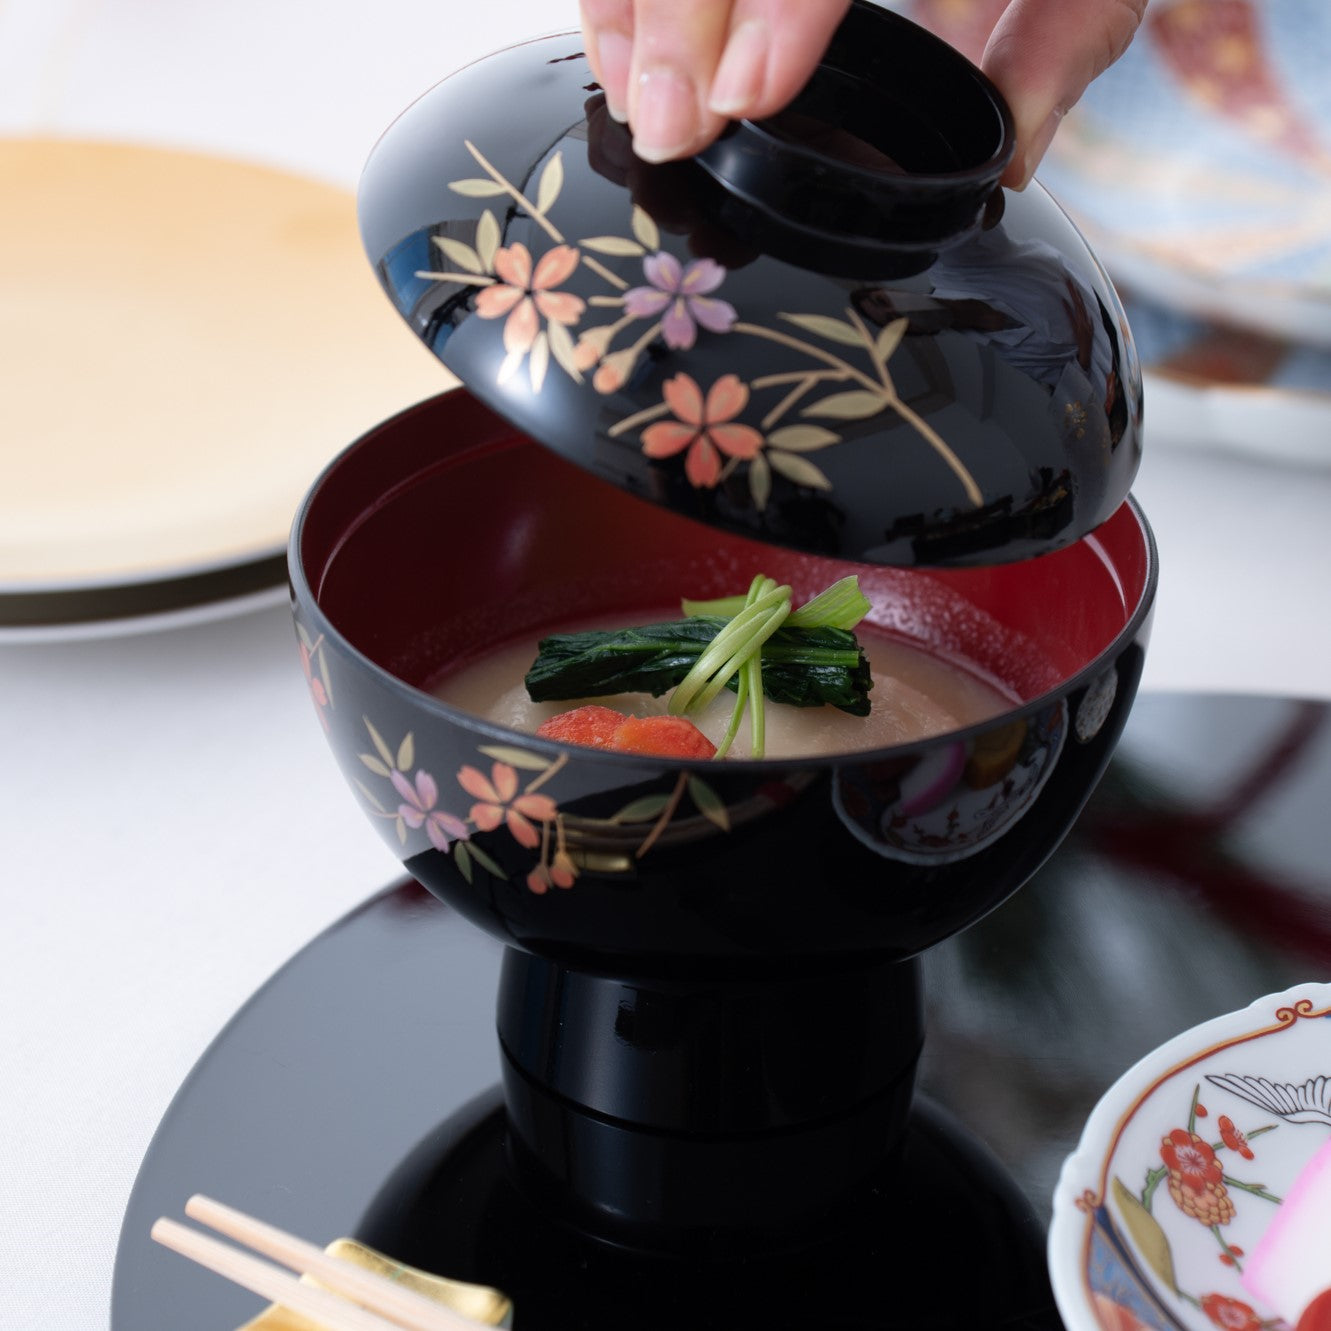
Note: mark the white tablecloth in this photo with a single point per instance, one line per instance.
(171, 826)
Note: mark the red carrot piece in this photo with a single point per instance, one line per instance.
(663, 737)
(599, 727)
(591, 725)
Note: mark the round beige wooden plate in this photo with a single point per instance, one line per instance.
(186, 340)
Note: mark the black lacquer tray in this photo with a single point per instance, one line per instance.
(1196, 879)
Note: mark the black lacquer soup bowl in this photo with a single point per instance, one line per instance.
(704, 956)
(444, 533)
(830, 345)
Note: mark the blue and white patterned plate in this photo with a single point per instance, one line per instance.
(1199, 166)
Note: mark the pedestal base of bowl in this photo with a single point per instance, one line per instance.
(943, 1239)
(704, 1117)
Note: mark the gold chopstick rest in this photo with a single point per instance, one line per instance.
(479, 1302)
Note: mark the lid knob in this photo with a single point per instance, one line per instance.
(895, 145)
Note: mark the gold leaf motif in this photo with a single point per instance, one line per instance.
(561, 348)
(1146, 1234)
(487, 239)
(463, 279)
(476, 188)
(508, 367)
(384, 751)
(406, 753)
(460, 253)
(645, 229)
(760, 482)
(890, 339)
(799, 470)
(483, 860)
(539, 362)
(462, 858)
(642, 810)
(802, 438)
(710, 804)
(620, 245)
(552, 181)
(373, 763)
(855, 405)
(401, 829)
(835, 330)
(520, 758)
(369, 795)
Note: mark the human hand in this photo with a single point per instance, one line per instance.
(678, 70)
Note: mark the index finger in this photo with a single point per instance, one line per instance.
(1042, 55)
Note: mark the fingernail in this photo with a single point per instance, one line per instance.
(613, 54)
(1018, 177)
(743, 69)
(665, 114)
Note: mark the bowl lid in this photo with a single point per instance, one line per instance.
(832, 330)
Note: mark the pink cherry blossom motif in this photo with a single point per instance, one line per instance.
(678, 293)
(526, 296)
(317, 690)
(560, 872)
(316, 684)
(705, 428)
(417, 809)
(498, 802)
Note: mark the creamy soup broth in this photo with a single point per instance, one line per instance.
(915, 694)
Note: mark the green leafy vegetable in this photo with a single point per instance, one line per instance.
(755, 645)
(842, 606)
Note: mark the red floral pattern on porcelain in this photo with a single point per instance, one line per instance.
(1157, 1212)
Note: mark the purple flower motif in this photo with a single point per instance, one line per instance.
(679, 294)
(417, 809)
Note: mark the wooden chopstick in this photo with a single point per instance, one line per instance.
(380, 1304)
(267, 1280)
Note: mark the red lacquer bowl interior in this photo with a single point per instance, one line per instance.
(445, 533)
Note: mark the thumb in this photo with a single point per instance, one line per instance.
(1042, 55)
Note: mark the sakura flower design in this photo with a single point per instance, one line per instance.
(1188, 1156)
(703, 429)
(526, 295)
(1233, 1138)
(560, 872)
(1195, 1179)
(317, 690)
(498, 801)
(1230, 1314)
(310, 653)
(418, 810)
(678, 293)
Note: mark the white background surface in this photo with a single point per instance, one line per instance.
(171, 826)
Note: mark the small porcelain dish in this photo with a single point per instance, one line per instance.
(1160, 1212)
